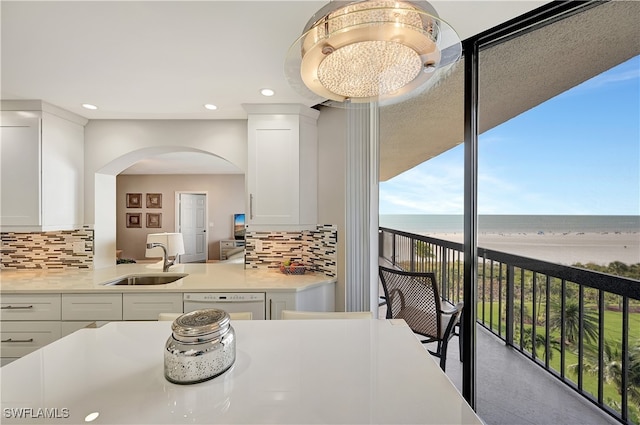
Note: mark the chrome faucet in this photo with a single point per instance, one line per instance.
(166, 263)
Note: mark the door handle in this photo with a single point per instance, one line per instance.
(18, 307)
(251, 205)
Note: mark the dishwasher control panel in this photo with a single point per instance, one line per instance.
(224, 296)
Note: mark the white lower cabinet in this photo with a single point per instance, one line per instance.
(318, 298)
(7, 360)
(278, 301)
(29, 322)
(91, 307)
(22, 337)
(30, 307)
(145, 306)
(67, 328)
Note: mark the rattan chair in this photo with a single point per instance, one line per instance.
(414, 297)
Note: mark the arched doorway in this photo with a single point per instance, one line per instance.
(109, 217)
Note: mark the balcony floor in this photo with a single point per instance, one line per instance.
(512, 390)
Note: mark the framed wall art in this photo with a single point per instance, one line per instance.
(134, 200)
(154, 220)
(134, 219)
(154, 200)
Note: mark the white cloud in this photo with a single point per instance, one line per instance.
(435, 187)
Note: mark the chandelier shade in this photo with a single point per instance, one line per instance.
(373, 50)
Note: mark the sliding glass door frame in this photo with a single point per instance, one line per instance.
(537, 18)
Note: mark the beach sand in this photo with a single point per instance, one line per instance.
(561, 248)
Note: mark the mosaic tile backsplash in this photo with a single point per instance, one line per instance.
(314, 248)
(55, 250)
(59, 250)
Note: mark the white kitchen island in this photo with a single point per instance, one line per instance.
(286, 372)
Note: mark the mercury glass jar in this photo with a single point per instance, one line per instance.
(202, 346)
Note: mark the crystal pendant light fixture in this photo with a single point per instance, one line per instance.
(373, 50)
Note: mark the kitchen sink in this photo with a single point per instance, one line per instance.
(147, 279)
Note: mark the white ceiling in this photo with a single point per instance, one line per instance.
(166, 59)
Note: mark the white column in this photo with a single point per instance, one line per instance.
(362, 208)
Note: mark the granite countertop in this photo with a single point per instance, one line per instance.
(202, 277)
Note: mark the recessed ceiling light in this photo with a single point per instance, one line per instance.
(211, 106)
(89, 106)
(267, 92)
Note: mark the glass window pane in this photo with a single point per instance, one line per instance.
(559, 186)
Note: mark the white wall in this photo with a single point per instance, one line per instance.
(225, 197)
(113, 145)
(104, 240)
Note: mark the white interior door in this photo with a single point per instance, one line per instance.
(192, 224)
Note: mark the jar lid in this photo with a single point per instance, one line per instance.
(201, 325)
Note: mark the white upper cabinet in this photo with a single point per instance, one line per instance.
(282, 175)
(42, 167)
(20, 157)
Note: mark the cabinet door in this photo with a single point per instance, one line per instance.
(273, 175)
(91, 306)
(149, 306)
(20, 162)
(276, 302)
(62, 169)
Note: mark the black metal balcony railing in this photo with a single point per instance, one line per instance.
(581, 326)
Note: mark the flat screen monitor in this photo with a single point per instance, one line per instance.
(238, 226)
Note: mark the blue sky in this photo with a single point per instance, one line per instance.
(578, 153)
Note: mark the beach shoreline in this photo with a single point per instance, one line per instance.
(565, 248)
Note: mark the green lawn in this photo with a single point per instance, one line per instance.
(612, 334)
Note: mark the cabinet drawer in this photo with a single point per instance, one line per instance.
(91, 306)
(21, 338)
(6, 360)
(149, 306)
(30, 307)
(227, 244)
(67, 328)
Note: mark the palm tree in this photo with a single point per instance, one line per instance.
(541, 342)
(633, 389)
(572, 321)
(612, 370)
(423, 249)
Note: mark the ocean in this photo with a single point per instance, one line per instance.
(442, 223)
